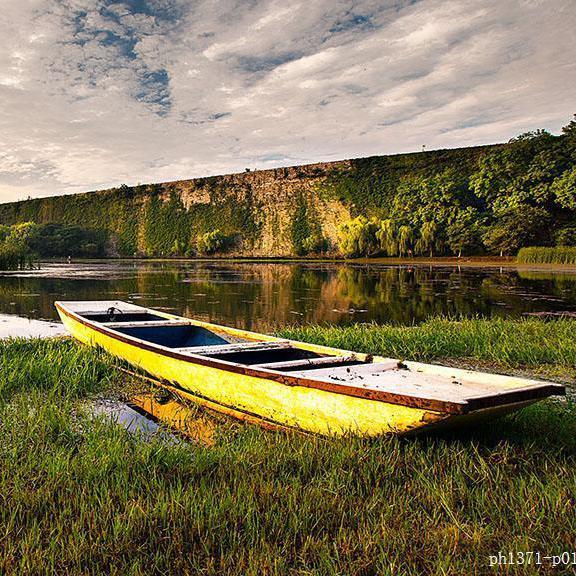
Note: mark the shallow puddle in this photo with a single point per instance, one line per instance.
(150, 416)
(188, 421)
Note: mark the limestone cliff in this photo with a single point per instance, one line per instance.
(265, 213)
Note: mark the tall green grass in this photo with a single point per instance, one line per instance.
(523, 343)
(80, 495)
(547, 255)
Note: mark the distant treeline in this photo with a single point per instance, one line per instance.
(516, 195)
(22, 244)
(15, 250)
(469, 201)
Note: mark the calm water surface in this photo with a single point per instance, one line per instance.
(263, 296)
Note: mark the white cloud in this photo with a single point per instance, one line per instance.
(96, 93)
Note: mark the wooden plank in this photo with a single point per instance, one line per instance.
(221, 349)
(360, 372)
(388, 379)
(86, 307)
(147, 324)
(512, 396)
(305, 362)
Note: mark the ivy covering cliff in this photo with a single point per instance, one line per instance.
(493, 199)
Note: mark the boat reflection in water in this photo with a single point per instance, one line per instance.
(153, 415)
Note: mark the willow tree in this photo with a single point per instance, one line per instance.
(358, 237)
(427, 238)
(404, 239)
(386, 236)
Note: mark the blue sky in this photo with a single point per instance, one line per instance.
(97, 93)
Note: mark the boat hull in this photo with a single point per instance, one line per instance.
(371, 396)
(299, 407)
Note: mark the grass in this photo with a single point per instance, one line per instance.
(533, 345)
(80, 495)
(547, 255)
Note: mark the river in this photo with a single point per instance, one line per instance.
(262, 296)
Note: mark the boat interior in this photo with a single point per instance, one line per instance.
(182, 336)
(286, 357)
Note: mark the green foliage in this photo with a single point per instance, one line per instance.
(443, 202)
(405, 237)
(520, 173)
(13, 259)
(464, 233)
(16, 246)
(569, 133)
(386, 236)
(358, 237)
(504, 198)
(66, 240)
(564, 189)
(566, 236)
(547, 255)
(517, 228)
(301, 229)
(428, 238)
(306, 231)
(315, 244)
(212, 242)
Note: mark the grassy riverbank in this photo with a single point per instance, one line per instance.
(80, 495)
(547, 255)
(527, 345)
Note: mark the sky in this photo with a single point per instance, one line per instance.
(98, 93)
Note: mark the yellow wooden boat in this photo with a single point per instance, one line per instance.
(289, 384)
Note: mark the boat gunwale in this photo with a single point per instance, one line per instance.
(443, 406)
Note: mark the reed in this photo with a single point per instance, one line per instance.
(80, 495)
(547, 255)
(15, 259)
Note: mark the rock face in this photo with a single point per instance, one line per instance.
(265, 213)
(275, 196)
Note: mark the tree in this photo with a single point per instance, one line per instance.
(212, 242)
(4, 231)
(15, 245)
(404, 239)
(566, 236)
(565, 189)
(315, 244)
(427, 239)
(517, 228)
(520, 173)
(21, 235)
(358, 237)
(176, 249)
(464, 232)
(569, 134)
(386, 236)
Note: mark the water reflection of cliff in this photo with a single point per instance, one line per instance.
(261, 296)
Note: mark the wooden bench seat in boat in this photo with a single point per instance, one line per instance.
(147, 324)
(225, 349)
(312, 363)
